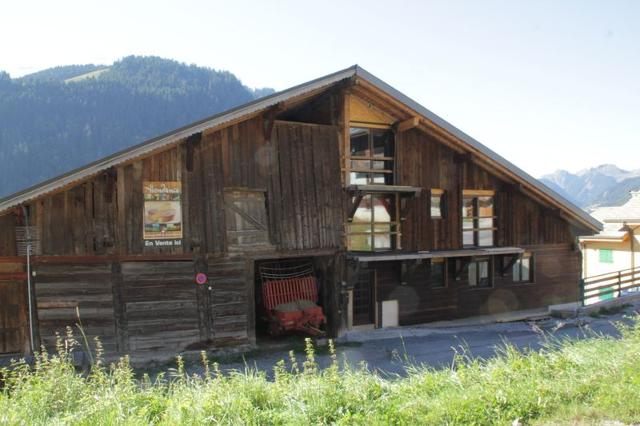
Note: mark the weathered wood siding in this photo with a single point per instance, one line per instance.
(63, 291)
(145, 307)
(231, 309)
(298, 166)
(305, 194)
(556, 267)
(556, 274)
(426, 163)
(14, 319)
(160, 305)
(8, 235)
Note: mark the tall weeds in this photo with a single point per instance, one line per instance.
(569, 381)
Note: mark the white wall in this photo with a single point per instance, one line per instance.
(621, 257)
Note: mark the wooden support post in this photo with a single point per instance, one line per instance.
(508, 266)
(463, 263)
(251, 298)
(408, 124)
(191, 143)
(119, 309)
(463, 158)
(354, 205)
(269, 121)
(619, 283)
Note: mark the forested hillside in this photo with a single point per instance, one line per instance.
(62, 118)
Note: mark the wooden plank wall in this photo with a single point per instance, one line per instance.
(418, 302)
(160, 305)
(426, 163)
(8, 235)
(231, 307)
(305, 194)
(14, 318)
(62, 290)
(146, 307)
(425, 303)
(299, 166)
(556, 271)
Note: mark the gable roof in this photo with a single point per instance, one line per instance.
(267, 102)
(628, 212)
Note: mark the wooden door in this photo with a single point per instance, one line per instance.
(13, 309)
(364, 298)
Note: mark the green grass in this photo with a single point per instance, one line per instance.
(570, 382)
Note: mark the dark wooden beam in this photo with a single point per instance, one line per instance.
(191, 143)
(509, 265)
(513, 188)
(463, 262)
(269, 120)
(110, 177)
(467, 157)
(551, 212)
(353, 206)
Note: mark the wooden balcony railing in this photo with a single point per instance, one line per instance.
(609, 286)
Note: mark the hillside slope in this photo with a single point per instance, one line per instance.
(64, 117)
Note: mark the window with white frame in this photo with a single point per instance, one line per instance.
(478, 220)
(371, 156)
(522, 271)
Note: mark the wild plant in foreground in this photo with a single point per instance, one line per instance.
(586, 381)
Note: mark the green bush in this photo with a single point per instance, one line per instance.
(568, 382)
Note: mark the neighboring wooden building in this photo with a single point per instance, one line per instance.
(617, 247)
(404, 218)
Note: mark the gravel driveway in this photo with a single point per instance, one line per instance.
(389, 353)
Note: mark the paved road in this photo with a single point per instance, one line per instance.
(388, 354)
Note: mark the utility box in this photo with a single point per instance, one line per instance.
(390, 313)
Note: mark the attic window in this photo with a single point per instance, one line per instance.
(371, 159)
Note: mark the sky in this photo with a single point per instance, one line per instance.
(547, 84)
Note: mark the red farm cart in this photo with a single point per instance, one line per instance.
(290, 297)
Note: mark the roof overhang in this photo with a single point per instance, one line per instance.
(605, 238)
(162, 142)
(629, 222)
(226, 118)
(436, 254)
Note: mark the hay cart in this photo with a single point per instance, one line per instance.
(290, 297)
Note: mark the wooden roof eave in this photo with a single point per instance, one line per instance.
(285, 99)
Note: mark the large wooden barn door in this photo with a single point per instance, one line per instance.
(13, 309)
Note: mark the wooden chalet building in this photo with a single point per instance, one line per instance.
(401, 217)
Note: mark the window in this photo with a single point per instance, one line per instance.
(437, 203)
(606, 255)
(371, 156)
(477, 218)
(438, 273)
(374, 225)
(479, 273)
(522, 269)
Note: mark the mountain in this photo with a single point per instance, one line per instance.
(605, 185)
(61, 118)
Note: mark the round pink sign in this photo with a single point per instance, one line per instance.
(201, 278)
